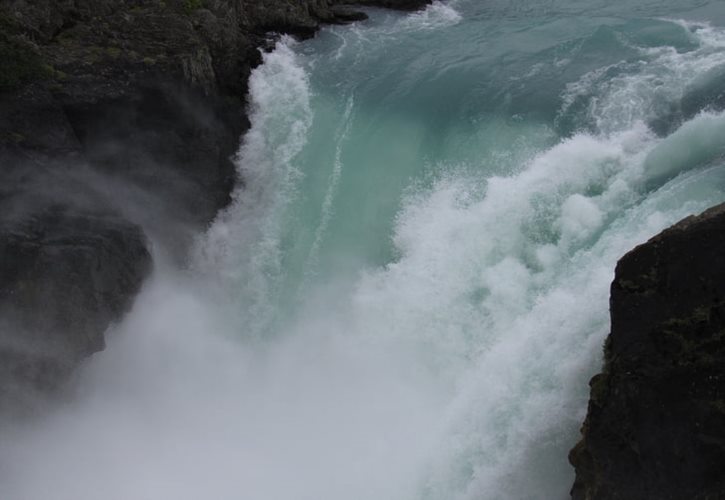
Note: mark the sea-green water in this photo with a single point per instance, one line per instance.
(408, 296)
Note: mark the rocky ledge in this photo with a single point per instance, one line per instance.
(656, 422)
(113, 115)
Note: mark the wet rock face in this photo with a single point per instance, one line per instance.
(656, 422)
(65, 274)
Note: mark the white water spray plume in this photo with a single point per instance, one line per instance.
(409, 294)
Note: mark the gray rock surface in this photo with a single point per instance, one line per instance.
(65, 274)
(655, 428)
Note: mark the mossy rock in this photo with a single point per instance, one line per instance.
(8, 25)
(19, 66)
(19, 61)
(113, 52)
(11, 138)
(192, 5)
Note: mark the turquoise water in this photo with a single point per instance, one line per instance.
(409, 295)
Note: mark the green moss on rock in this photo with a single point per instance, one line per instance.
(192, 5)
(20, 64)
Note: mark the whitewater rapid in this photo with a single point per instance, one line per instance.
(400, 303)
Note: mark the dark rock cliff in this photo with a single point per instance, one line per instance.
(656, 422)
(114, 114)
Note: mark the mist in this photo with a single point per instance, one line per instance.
(283, 353)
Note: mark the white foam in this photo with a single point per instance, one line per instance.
(507, 297)
(241, 248)
(437, 15)
(458, 371)
(646, 88)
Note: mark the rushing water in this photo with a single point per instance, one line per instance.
(407, 298)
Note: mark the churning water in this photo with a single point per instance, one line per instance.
(407, 298)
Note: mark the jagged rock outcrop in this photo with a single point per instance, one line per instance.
(656, 422)
(64, 274)
(112, 114)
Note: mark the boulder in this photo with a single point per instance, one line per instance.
(655, 427)
(65, 273)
